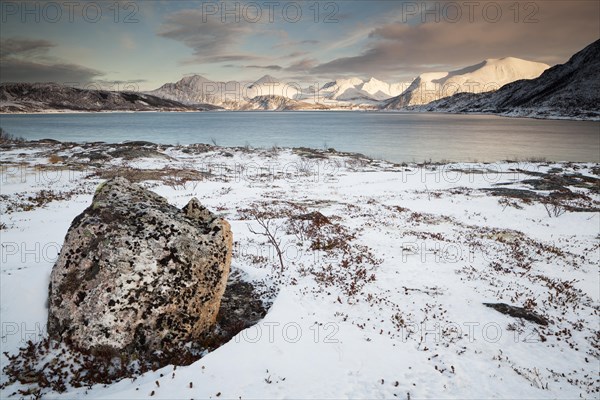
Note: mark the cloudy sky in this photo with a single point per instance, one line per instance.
(143, 44)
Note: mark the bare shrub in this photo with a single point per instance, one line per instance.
(269, 230)
(554, 208)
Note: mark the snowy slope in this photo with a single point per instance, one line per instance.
(397, 313)
(382, 90)
(570, 90)
(486, 76)
(355, 90)
(343, 89)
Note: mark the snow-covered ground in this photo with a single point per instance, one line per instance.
(383, 301)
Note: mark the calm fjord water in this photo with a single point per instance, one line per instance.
(395, 137)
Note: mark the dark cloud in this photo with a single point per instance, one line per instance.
(306, 64)
(16, 70)
(26, 60)
(270, 67)
(222, 58)
(120, 82)
(24, 47)
(210, 39)
(562, 28)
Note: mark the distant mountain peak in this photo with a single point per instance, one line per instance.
(374, 80)
(193, 79)
(267, 79)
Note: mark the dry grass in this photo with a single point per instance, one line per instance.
(54, 159)
(169, 176)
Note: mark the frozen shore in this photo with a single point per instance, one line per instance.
(388, 302)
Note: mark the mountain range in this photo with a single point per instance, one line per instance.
(485, 76)
(237, 94)
(508, 86)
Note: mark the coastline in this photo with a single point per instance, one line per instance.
(408, 111)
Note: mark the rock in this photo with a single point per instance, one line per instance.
(137, 275)
(133, 152)
(518, 312)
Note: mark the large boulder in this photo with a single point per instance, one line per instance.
(136, 275)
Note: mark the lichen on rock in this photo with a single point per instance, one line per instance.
(137, 275)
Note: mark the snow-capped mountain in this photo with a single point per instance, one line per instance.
(356, 90)
(570, 90)
(270, 86)
(486, 76)
(197, 89)
(343, 90)
(382, 90)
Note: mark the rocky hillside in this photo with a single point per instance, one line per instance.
(191, 90)
(570, 90)
(39, 97)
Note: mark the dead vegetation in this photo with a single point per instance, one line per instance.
(173, 177)
(269, 229)
(41, 198)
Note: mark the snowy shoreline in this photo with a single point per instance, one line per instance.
(399, 313)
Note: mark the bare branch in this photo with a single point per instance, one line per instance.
(270, 234)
